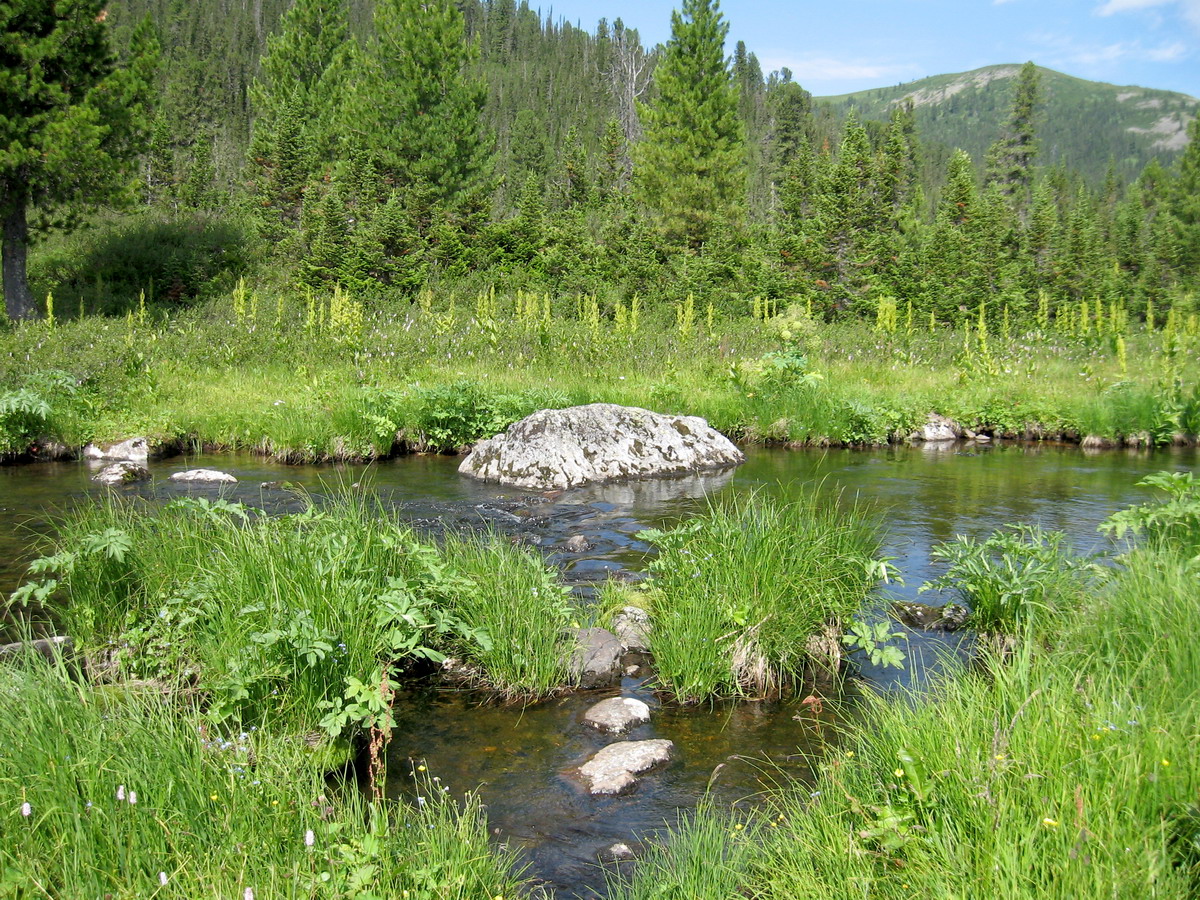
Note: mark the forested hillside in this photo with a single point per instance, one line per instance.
(1086, 126)
(390, 147)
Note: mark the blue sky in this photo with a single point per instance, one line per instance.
(837, 47)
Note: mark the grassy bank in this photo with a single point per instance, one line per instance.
(1065, 769)
(304, 620)
(114, 795)
(329, 377)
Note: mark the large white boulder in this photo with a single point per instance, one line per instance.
(554, 449)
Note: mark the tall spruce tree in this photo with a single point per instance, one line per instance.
(690, 169)
(1010, 159)
(416, 105)
(71, 121)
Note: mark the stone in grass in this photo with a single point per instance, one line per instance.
(204, 476)
(122, 473)
(595, 660)
(937, 428)
(632, 628)
(134, 450)
(51, 648)
(614, 769)
(616, 715)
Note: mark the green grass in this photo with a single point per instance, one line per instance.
(297, 618)
(131, 797)
(736, 594)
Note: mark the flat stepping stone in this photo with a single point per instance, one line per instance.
(204, 476)
(614, 769)
(617, 715)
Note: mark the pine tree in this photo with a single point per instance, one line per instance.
(690, 170)
(614, 162)
(296, 99)
(71, 121)
(1010, 159)
(1183, 204)
(576, 184)
(416, 106)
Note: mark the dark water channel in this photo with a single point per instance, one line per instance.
(520, 759)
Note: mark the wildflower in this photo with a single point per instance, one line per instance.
(133, 798)
(738, 827)
(162, 878)
(248, 894)
(26, 810)
(120, 792)
(420, 768)
(999, 757)
(212, 797)
(309, 838)
(1050, 823)
(1166, 762)
(899, 773)
(849, 754)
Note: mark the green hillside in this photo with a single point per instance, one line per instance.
(1084, 124)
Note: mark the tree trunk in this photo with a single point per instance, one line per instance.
(18, 298)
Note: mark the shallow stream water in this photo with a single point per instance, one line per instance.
(520, 759)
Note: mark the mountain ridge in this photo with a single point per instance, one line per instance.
(1085, 124)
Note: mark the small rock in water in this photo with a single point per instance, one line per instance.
(207, 476)
(122, 473)
(950, 617)
(577, 543)
(620, 851)
(937, 428)
(617, 715)
(614, 769)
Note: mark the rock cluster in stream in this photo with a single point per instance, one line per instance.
(555, 449)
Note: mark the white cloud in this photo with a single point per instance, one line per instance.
(1067, 50)
(1189, 9)
(825, 69)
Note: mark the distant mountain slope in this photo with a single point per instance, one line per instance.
(1083, 123)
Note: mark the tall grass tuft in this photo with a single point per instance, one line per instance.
(738, 593)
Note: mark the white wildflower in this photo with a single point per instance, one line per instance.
(26, 810)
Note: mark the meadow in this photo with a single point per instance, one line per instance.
(311, 378)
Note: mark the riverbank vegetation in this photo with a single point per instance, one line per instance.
(307, 379)
(1051, 770)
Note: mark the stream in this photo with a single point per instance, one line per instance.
(519, 759)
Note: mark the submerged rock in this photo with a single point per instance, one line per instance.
(565, 448)
(632, 628)
(616, 715)
(122, 473)
(48, 449)
(950, 617)
(937, 428)
(596, 659)
(614, 769)
(620, 851)
(204, 476)
(135, 450)
(577, 543)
